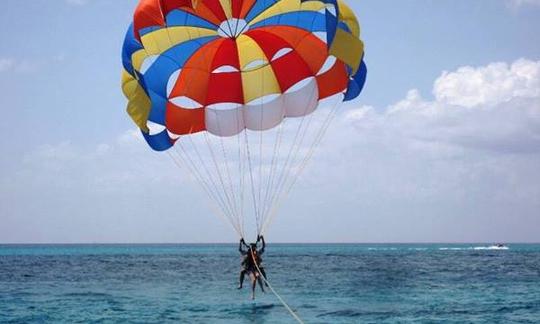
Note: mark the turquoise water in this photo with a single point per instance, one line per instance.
(364, 283)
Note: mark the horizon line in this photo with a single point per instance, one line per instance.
(229, 243)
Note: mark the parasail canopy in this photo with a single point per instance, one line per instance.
(230, 69)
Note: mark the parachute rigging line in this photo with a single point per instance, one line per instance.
(318, 139)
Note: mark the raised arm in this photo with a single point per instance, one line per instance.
(261, 238)
(241, 245)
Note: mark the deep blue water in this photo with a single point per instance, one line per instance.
(362, 283)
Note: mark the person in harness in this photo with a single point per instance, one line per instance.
(252, 263)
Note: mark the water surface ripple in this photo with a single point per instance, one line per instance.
(362, 283)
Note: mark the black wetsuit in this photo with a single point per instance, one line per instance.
(247, 262)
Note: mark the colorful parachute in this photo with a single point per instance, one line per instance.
(232, 67)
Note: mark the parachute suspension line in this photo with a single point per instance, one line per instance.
(318, 139)
(190, 165)
(316, 142)
(273, 164)
(290, 168)
(289, 163)
(260, 184)
(281, 300)
(219, 209)
(250, 167)
(223, 196)
(260, 179)
(217, 195)
(293, 165)
(286, 164)
(278, 192)
(240, 174)
(242, 179)
(218, 172)
(244, 176)
(229, 178)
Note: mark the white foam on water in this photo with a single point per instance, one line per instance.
(477, 248)
(492, 247)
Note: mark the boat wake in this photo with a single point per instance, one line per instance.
(491, 247)
(477, 248)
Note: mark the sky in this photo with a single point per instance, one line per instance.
(443, 145)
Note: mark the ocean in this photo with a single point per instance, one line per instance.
(323, 283)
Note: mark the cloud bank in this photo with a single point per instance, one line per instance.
(420, 169)
(76, 2)
(414, 171)
(519, 3)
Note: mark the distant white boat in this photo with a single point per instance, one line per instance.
(492, 247)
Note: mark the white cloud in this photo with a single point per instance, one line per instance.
(76, 2)
(105, 167)
(466, 160)
(18, 65)
(6, 64)
(520, 3)
(30, 65)
(490, 85)
(495, 108)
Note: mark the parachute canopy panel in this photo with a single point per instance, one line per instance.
(226, 66)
